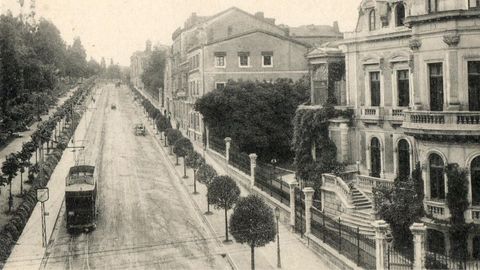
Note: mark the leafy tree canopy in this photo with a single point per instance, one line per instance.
(256, 115)
(252, 222)
(173, 135)
(182, 147)
(206, 173)
(223, 192)
(153, 74)
(194, 160)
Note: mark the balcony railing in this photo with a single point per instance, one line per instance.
(371, 114)
(367, 183)
(443, 122)
(437, 209)
(337, 183)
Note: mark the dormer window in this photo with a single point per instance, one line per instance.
(371, 20)
(400, 14)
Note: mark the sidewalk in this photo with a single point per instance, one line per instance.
(294, 253)
(15, 146)
(28, 252)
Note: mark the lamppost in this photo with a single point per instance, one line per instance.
(274, 163)
(277, 216)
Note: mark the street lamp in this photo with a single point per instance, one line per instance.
(274, 163)
(277, 216)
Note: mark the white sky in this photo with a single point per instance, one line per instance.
(117, 28)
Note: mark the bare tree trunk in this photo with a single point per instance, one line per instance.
(184, 169)
(252, 249)
(226, 225)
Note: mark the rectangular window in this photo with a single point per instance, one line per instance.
(243, 59)
(403, 88)
(267, 59)
(474, 3)
(474, 85)
(220, 85)
(432, 6)
(220, 59)
(436, 86)
(375, 88)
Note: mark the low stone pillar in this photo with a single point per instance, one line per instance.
(419, 231)
(381, 228)
(253, 164)
(292, 186)
(207, 138)
(308, 191)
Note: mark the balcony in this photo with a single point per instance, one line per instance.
(371, 115)
(450, 123)
(396, 115)
(367, 183)
(437, 210)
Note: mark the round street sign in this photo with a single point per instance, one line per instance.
(42, 194)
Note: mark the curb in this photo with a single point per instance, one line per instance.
(194, 203)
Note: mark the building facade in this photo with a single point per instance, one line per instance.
(138, 61)
(232, 45)
(412, 79)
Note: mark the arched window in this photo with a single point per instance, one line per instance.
(403, 159)
(475, 180)
(372, 20)
(375, 158)
(435, 241)
(437, 178)
(476, 247)
(400, 14)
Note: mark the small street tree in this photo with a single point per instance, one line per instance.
(172, 136)
(24, 162)
(194, 160)
(10, 168)
(205, 175)
(223, 193)
(252, 223)
(181, 148)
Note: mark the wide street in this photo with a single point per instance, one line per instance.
(145, 220)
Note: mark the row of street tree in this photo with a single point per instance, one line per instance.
(252, 221)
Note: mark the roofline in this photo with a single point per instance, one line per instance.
(263, 32)
(237, 9)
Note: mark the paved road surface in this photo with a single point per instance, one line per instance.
(144, 221)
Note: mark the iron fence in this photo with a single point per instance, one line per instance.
(217, 144)
(267, 181)
(436, 260)
(239, 160)
(346, 240)
(399, 259)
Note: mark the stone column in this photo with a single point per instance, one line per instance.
(308, 191)
(292, 186)
(419, 231)
(207, 138)
(253, 164)
(380, 242)
(344, 142)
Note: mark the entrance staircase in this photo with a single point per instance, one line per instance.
(359, 207)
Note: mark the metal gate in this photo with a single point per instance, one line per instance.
(399, 260)
(299, 211)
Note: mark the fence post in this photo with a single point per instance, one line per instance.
(308, 212)
(358, 245)
(380, 242)
(292, 185)
(253, 164)
(418, 230)
(227, 152)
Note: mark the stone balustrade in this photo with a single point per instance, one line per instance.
(442, 122)
(367, 183)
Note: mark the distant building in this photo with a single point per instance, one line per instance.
(231, 45)
(412, 78)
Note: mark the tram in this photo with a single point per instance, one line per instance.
(81, 198)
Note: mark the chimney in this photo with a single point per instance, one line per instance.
(335, 27)
(260, 15)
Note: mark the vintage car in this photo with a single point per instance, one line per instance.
(140, 130)
(113, 106)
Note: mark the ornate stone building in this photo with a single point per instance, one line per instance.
(412, 78)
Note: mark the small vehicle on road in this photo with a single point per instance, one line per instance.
(113, 106)
(81, 198)
(118, 84)
(140, 129)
